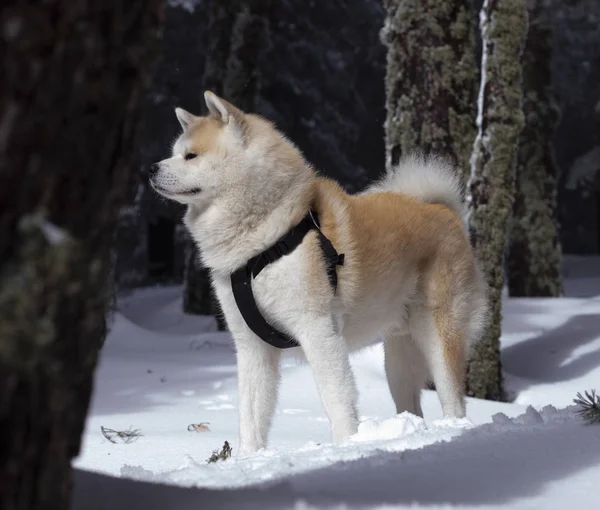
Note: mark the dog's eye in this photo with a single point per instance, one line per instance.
(190, 155)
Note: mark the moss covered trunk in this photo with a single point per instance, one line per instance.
(72, 77)
(534, 256)
(431, 80)
(491, 186)
(239, 34)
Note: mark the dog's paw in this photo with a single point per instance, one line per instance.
(246, 449)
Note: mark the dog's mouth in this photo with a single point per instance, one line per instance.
(163, 191)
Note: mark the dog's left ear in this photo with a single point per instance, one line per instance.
(225, 112)
(184, 117)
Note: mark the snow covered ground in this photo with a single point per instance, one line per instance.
(162, 371)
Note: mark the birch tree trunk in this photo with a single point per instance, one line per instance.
(73, 73)
(534, 257)
(431, 80)
(492, 187)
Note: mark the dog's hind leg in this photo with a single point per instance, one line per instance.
(445, 349)
(406, 372)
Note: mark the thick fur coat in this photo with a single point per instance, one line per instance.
(409, 278)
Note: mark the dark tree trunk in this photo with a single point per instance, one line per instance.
(239, 35)
(72, 76)
(431, 81)
(249, 41)
(198, 295)
(492, 187)
(534, 257)
(221, 20)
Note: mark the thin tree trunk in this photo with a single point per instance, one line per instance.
(431, 80)
(534, 258)
(198, 295)
(249, 41)
(72, 76)
(239, 36)
(499, 122)
(221, 20)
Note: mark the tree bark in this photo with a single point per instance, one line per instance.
(431, 80)
(73, 73)
(534, 258)
(492, 187)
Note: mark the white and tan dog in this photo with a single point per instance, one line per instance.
(409, 274)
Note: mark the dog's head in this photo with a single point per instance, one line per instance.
(207, 157)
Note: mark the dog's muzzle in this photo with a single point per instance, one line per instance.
(154, 168)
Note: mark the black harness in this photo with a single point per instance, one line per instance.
(241, 280)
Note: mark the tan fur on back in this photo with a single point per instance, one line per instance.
(385, 233)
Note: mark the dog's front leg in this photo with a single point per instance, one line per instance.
(258, 384)
(327, 354)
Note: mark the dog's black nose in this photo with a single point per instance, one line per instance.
(154, 168)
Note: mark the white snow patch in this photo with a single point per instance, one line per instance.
(54, 234)
(403, 424)
(584, 169)
(161, 370)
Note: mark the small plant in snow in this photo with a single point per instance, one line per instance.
(589, 406)
(222, 454)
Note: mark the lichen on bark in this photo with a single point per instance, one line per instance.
(534, 256)
(431, 80)
(491, 185)
(39, 267)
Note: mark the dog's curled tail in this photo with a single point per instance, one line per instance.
(430, 179)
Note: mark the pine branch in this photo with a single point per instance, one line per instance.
(589, 407)
(223, 454)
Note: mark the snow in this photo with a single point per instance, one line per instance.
(162, 371)
(187, 5)
(584, 169)
(480, 138)
(54, 234)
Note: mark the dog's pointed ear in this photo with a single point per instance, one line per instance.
(221, 109)
(225, 112)
(184, 117)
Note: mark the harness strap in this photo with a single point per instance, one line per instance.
(241, 280)
(241, 284)
(284, 246)
(332, 259)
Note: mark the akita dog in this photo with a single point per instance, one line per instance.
(409, 275)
